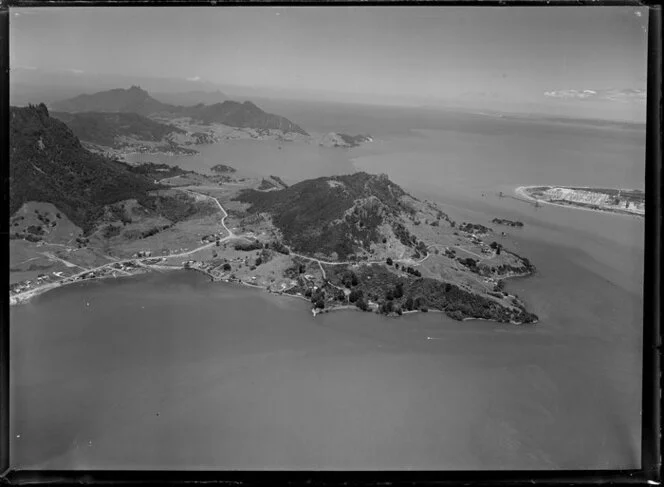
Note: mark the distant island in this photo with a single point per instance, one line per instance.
(357, 241)
(223, 169)
(335, 139)
(626, 201)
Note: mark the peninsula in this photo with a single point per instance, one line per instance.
(355, 241)
(626, 201)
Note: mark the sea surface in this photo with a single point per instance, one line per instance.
(170, 371)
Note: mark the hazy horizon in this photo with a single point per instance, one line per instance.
(586, 62)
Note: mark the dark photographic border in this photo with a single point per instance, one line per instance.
(650, 472)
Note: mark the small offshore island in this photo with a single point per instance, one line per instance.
(355, 241)
(626, 201)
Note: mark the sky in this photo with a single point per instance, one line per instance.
(587, 60)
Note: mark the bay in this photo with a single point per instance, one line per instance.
(171, 371)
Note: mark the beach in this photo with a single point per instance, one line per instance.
(523, 192)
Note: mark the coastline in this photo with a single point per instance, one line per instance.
(13, 301)
(28, 295)
(522, 191)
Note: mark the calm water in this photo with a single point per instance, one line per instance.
(171, 371)
(290, 161)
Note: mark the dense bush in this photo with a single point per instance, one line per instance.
(279, 247)
(248, 246)
(111, 231)
(49, 164)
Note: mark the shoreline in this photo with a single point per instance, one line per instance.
(28, 295)
(342, 307)
(522, 191)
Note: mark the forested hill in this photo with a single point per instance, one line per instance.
(48, 163)
(137, 100)
(338, 214)
(103, 128)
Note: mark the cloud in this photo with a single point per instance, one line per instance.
(195, 78)
(612, 94)
(76, 71)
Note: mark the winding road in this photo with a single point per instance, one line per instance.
(73, 278)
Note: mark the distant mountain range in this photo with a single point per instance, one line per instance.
(137, 100)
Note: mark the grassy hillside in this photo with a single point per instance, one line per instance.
(339, 214)
(103, 128)
(48, 164)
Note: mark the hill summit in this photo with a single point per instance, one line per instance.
(132, 100)
(337, 215)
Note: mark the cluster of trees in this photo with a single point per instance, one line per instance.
(35, 230)
(141, 234)
(318, 298)
(278, 246)
(395, 293)
(474, 228)
(387, 307)
(468, 262)
(357, 297)
(111, 231)
(349, 279)
(27, 236)
(45, 219)
(402, 233)
(412, 271)
(82, 241)
(248, 246)
(120, 213)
